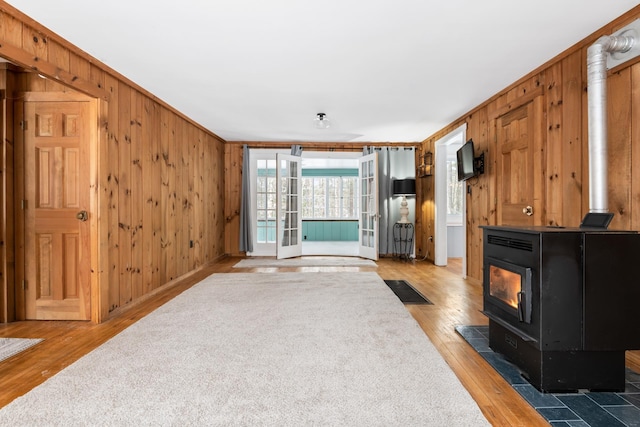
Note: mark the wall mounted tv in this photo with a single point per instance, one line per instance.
(469, 165)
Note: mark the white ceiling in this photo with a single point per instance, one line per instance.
(381, 70)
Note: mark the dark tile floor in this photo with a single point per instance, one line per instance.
(564, 409)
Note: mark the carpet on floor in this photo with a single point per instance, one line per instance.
(307, 261)
(406, 292)
(594, 409)
(9, 347)
(260, 349)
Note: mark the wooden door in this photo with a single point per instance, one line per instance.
(518, 140)
(56, 209)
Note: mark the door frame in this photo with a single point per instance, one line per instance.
(440, 197)
(97, 232)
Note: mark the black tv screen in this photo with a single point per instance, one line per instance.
(465, 158)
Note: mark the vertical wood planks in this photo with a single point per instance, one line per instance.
(215, 194)
(149, 182)
(619, 147)
(137, 197)
(197, 206)
(112, 173)
(232, 187)
(158, 269)
(554, 154)
(478, 202)
(181, 232)
(101, 204)
(124, 192)
(572, 143)
(635, 147)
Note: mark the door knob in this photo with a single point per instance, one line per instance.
(82, 216)
(527, 211)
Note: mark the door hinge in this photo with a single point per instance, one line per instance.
(23, 125)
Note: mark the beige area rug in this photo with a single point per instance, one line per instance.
(261, 349)
(9, 347)
(306, 261)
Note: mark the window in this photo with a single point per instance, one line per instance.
(266, 208)
(333, 197)
(454, 194)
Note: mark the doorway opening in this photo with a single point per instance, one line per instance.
(330, 207)
(450, 211)
(330, 202)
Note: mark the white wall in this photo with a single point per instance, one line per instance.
(455, 241)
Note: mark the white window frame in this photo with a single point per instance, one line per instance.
(326, 198)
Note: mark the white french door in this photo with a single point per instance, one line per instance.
(368, 219)
(289, 222)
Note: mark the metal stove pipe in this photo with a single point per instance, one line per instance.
(597, 113)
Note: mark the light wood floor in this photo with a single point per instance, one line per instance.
(456, 301)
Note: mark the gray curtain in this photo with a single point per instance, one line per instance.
(246, 239)
(385, 191)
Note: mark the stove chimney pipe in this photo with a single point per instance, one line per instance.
(597, 56)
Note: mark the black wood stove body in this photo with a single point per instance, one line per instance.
(563, 303)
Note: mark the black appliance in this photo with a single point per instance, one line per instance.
(563, 303)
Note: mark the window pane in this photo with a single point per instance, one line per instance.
(319, 200)
(349, 197)
(454, 189)
(333, 195)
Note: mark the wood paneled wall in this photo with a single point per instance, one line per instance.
(159, 196)
(562, 162)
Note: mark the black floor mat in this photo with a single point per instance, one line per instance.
(406, 292)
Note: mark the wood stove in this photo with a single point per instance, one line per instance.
(562, 303)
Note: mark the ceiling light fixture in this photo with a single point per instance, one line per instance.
(321, 122)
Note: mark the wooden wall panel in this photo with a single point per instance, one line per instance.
(136, 196)
(554, 155)
(7, 224)
(169, 246)
(197, 205)
(149, 183)
(151, 158)
(619, 147)
(11, 29)
(562, 153)
(113, 172)
(233, 185)
(100, 208)
(217, 193)
(477, 194)
(572, 141)
(425, 210)
(123, 142)
(635, 147)
(159, 272)
(181, 161)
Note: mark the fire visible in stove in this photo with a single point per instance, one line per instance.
(510, 288)
(505, 285)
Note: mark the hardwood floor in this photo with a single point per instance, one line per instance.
(456, 301)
